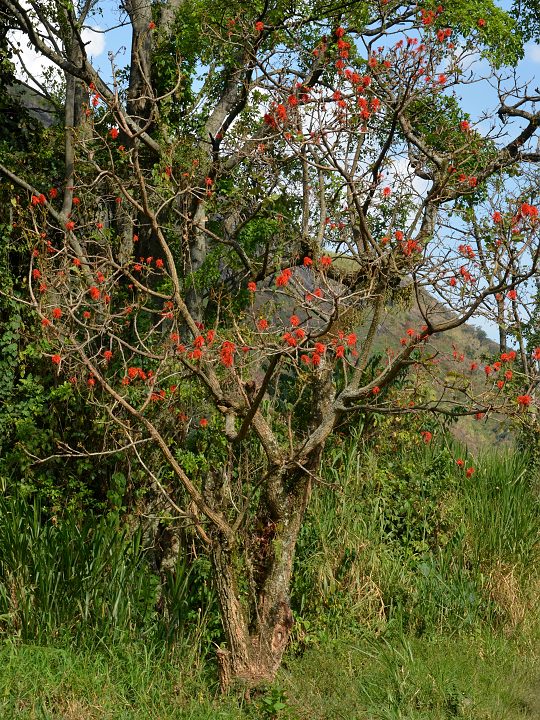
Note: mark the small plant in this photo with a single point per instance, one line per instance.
(273, 705)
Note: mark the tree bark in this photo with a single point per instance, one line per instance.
(257, 621)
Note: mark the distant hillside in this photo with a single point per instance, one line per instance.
(466, 340)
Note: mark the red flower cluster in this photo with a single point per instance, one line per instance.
(227, 353)
(467, 251)
(284, 277)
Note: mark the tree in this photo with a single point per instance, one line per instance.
(239, 208)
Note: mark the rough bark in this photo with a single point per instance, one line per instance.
(258, 622)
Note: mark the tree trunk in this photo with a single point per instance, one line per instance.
(258, 622)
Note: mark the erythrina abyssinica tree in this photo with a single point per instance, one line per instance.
(240, 207)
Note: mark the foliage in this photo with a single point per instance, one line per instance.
(399, 536)
(63, 577)
(211, 242)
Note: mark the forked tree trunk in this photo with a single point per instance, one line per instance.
(257, 621)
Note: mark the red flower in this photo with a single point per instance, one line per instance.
(198, 342)
(529, 210)
(133, 372)
(151, 25)
(340, 351)
(497, 217)
(469, 472)
(57, 313)
(107, 354)
(294, 320)
(53, 192)
(284, 277)
(159, 263)
(465, 125)
(252, 286)
(262, 324)
(536, 353)
(45, 322)
(227, 353)
(281, 112)
(524, 400)
(326, 261)
(308, 261)
(36, 274)
(289, 339)
(94, 292)
(460, 462)
(203, 422)
(481, 22)
(56, 359)
(386, 192)
(376, 390)
(427, 436)
(511, 295)
(70, 225)
(259, 26)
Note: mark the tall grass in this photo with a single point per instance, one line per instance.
(408, 541)
(88, 577)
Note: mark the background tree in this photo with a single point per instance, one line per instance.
(238, 210)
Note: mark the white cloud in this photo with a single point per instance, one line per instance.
(37, 64)
(95, 40)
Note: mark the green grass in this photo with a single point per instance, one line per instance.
(118, 683)
(416, 598)
(483, 676)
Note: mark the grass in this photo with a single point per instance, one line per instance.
(484, 676)
(416, 598)
(121, 682)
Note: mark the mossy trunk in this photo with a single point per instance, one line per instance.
(253, 586)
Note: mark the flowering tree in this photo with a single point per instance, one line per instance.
(239, 208)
